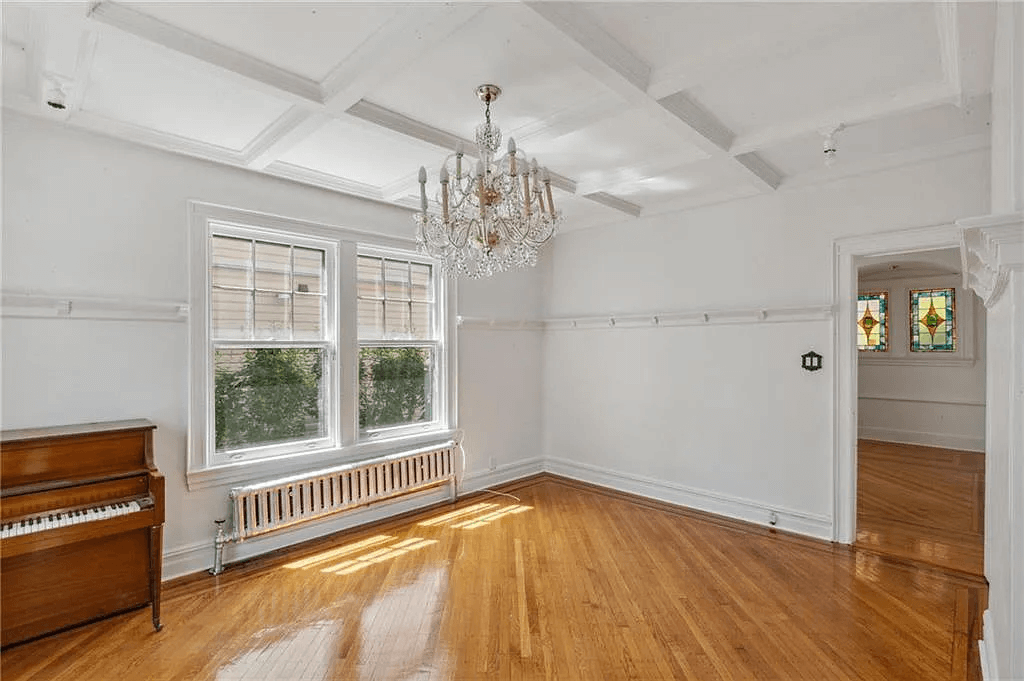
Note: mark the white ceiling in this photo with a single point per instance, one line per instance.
(937, 263)
(637, 108)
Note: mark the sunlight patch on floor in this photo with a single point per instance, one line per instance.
(325, 556)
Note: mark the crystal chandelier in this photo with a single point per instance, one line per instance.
(492, 219)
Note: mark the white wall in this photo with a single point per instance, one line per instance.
(85, 215)
(500, 376)
(721, 417)
(935, 399)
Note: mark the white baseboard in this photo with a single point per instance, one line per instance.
(809, 524)
(913, 437)
(986, 650)
(198, 557)
(478, 480)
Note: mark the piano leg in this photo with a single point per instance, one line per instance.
(156, 548)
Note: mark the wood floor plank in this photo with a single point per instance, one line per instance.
(567, 582)
(922, 503)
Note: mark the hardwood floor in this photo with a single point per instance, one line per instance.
(569, 582)
(922, 503)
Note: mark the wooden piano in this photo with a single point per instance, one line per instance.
(81, 526)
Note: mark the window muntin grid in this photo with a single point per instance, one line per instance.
(262, 290)
(395, 299)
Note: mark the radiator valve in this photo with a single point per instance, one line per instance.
(218, 548)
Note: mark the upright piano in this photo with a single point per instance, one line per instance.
(81, 526)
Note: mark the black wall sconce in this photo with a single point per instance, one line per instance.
(811, 361)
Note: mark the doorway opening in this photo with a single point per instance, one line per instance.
(920, 411)
(850, 254)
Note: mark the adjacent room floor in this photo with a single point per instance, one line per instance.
(565, 582)
(922, 503)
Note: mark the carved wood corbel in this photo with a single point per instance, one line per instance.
(990, 247)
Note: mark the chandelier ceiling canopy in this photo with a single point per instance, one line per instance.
(492, 218)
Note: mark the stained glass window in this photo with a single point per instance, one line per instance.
(873, 321)
(932, 320)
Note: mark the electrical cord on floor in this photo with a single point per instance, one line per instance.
(459, 434)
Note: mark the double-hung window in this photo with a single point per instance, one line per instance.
(310, 346)
(271, 336)
(399, 344)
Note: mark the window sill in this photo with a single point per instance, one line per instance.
(930, 361)
(246, 472)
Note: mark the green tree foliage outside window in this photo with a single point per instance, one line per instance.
(394, 386)
(267, 395)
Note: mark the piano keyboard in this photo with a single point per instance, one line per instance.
(49, 521)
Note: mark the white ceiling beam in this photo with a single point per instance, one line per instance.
(400, 42)
(907, 100)
(402, 124)
(83, 69)
(569, 120)
(267, 77)
(580, 27)
(615, 202)
(291, 128)
(35, 58)
(387, 51)
(342, 91)
(155, 138)
(325, 180)
(699, 118)
(760, 167)
(948, 23)
(600, 55)
(757, 50)
(75, 91)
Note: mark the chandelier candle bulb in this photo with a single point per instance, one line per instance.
(458, 161)
(512, 156)
(444, 192)
(526, 193)
(423, 189)
(547, 190)
(482, 199)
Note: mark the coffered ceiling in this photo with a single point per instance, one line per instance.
(637, 108)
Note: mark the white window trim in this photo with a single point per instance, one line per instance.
(201, 469)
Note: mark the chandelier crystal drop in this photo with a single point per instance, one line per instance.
(492, 218)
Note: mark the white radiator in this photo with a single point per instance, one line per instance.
(269, 506)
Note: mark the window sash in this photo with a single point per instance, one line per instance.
(384, 296)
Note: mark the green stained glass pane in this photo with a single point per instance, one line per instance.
(933, 320)
(872, 322)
